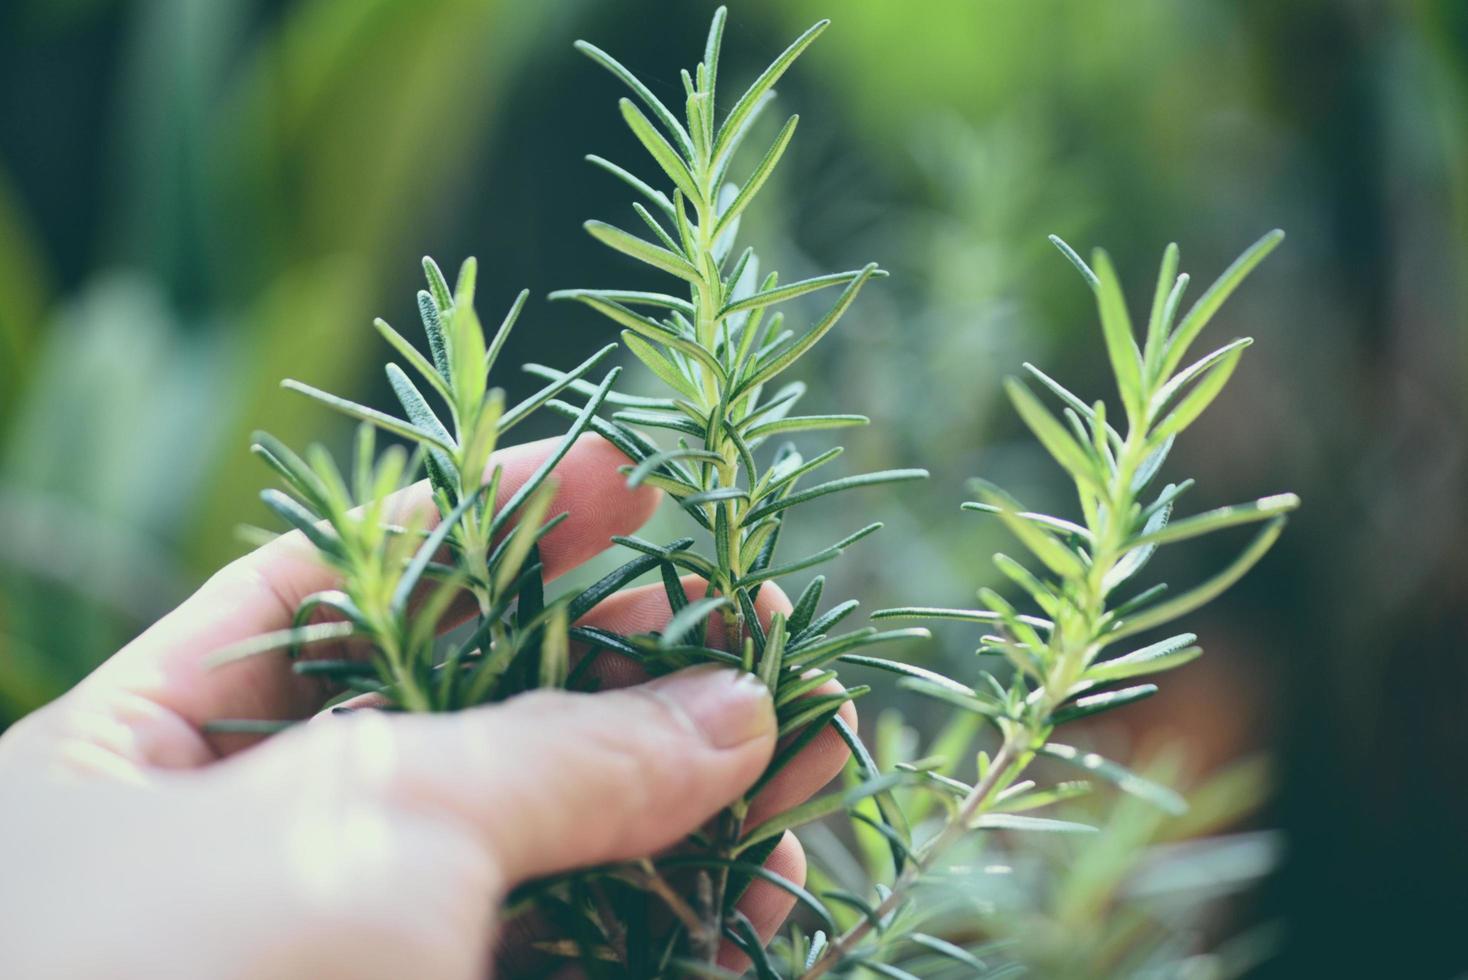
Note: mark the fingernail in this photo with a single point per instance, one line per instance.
(729, 707)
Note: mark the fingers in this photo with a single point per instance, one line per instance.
(643, 609)
(258, 593)
(554, 780)
(767, 905)
(817, 764)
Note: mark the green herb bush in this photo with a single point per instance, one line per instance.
(1073, 639)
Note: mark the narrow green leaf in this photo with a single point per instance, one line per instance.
(1043, 596)
(291, 468)
(1074, 457)
(322, 536)
(772, 658)
(502, 332)
(883, 969)
(804, 609)
(967, 699)
(1157, 321)
(1121, 343)
(415, 405)
(828, 620)
(1075, 260)
(1187, 602)
(669, 121)
(1060, 793)
(419, 563)
(629, 297)
(1202, 395)
(332, 599)
(527, 532)
(661, 151)
(520, 412)
(383, 421)
(656, 461)
(658, 421)
(774, 365)
(758, 871)
(834, 486)
(1054, 524)
(907, 670)
(636, 183)
(690, 617)
(1154, 658)
(1042, 544)
(1214, 520)
(1123, 778)
(713, 496)
(585, 388)
(431, 314)
(505, 512)
(963, 615)
(1177, 382)
(1208, 304)
(438, 286)
(765, 573)
(410, 354)
(665, 370)
(755, 539)
(711, 49)
(335, 669)
(944, 948)
(642, 250)
(757, 177)
(1151, 463)
(813, 654)
(816, 809)
(1095, 704)
(805, 423)
(734, 122)
(769, 297)
(554, 651)
(1017, 821)
(892, 823)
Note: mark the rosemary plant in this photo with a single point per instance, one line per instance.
(395, 590)
(719, 349)
(1060, 657)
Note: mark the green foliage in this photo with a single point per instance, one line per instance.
(716, 351)
(373, 529)
(719, 353)
(722, 353)
(1061, 662)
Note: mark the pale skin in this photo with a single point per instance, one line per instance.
(363, 844)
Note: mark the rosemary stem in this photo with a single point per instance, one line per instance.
(706, 299)
(1009, 757)
(1012, 757)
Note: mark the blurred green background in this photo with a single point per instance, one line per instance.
(198, 197)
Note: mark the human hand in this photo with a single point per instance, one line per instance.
(365, 844)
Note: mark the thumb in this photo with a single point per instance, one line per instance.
(553, 780)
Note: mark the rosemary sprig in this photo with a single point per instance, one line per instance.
(1062, 669)
(719, 350)
(395, 591)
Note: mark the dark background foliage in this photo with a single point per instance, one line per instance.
(199, 198)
